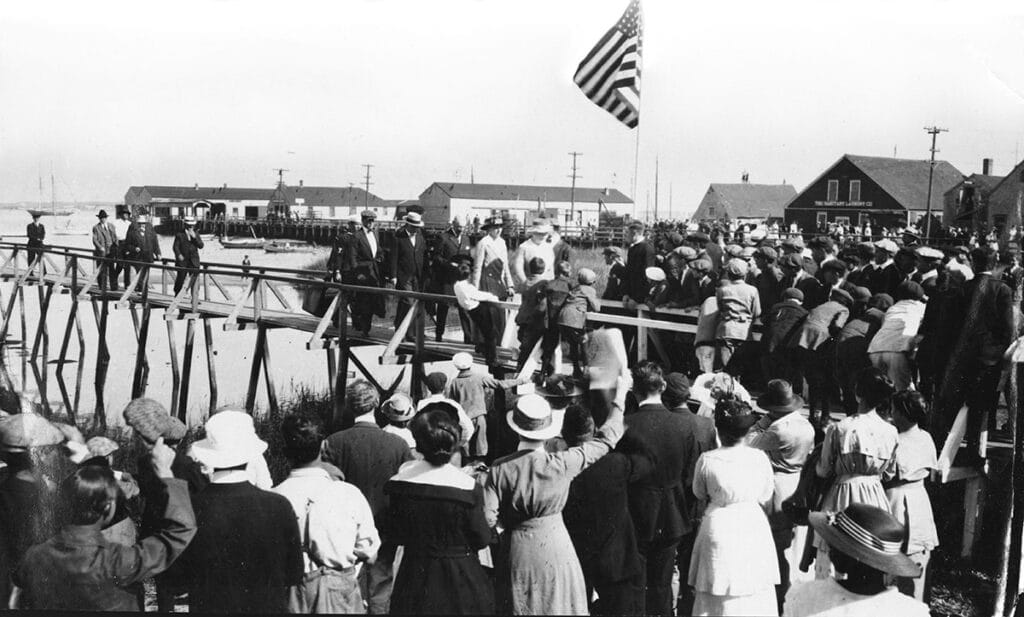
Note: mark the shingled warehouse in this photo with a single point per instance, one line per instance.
(872, 190)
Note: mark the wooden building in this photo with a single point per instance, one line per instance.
(966, 204)
(744, 202)
(443, 201)
(1005, 202)
(880, 191)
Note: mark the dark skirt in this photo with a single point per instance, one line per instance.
(428, 585)
(491, 281)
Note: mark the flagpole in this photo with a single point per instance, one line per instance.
(636, 156)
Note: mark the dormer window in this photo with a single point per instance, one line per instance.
(833, 190)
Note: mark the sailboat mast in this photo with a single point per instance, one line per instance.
(53, 198)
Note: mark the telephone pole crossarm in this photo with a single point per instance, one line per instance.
(934, 132)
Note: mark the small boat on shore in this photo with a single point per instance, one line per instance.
(242, 243)
(277, 246)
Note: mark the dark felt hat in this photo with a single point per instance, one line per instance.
(779, 397)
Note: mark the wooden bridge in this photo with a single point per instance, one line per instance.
(239, 298)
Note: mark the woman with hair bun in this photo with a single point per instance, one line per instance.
(858, 454)
(436, 513)
(733, 570)
(908, 499)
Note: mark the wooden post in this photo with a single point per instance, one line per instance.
(641, 338)
(141, 373)
(332, 362)
(268, 375)
(102, 364)
(210, 364)
(416, 382)
(44, 307)
(254, 371)
(81, 360)
(175, 373)
(341, 419)
(186, 366)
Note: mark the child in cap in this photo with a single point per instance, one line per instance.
(397, 412)
(436, 383)
(467, 389)
(572, 319)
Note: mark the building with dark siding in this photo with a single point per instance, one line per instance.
(880, 191)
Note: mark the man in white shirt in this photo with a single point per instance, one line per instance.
(335, 522)
(121, 224)
(536, 246)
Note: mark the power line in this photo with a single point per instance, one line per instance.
(934, 132)
(572, 192)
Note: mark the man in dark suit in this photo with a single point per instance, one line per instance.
(973, 371)
(640, 255)
(769, 278)
(365, 258)
(408, 258)
(368, 457)
(597, 518)
(676, 397)
(561, 248)
(186, 255)
(36, 233)
(142, 245)
(450, 242)
(660, 506)
(885, 276)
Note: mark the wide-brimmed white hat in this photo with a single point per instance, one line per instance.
(462, 360)
(414, 219)
(539, 226)
(230, 441)
(189, 220)
(533, 418)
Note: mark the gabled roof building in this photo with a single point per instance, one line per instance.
(872, 190)
(744, 201)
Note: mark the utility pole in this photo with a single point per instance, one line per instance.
(934, 132)
(572, 192)
(655, 189)
(670, 200)
(366, 197)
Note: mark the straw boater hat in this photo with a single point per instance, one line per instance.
(150, 420)
(868, 534)
(398, 408)
(539, 226)
(230, 441)
(888, 246)
(414, 219)
(22, 431)
(533, 418)
(779, 398)
(190, 220)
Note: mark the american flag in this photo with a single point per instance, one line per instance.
(610, 74)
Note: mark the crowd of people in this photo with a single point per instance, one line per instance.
(668, 490)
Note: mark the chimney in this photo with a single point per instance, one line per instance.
(745, 177)
(607, 192)
(196, 187)
(986, 167)
(225, 185)
(300, 183)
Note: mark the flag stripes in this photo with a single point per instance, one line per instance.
(609, 74)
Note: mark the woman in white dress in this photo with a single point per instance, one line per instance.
(491, 273)
(734, 569)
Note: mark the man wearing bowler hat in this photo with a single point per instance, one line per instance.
(186, 254)
(104, 245)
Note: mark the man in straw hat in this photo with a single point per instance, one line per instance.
(81, 570)
(408, 262)
(104, 244)
(186, 254)
(247, 552)
(787, 438)
(865, 544)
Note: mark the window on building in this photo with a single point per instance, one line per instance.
(334, 212)
(352, 209)
(822, 219)
(854, 190)
(711, 211)
(833, 191)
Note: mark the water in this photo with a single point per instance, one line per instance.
(293, 366)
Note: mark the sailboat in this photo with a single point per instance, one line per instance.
(53, 211)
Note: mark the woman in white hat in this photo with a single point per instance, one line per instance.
(523, 497)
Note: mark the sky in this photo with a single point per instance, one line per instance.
(120, 93)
